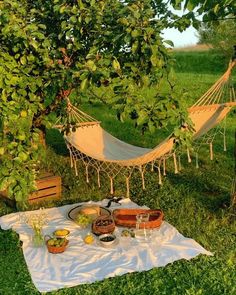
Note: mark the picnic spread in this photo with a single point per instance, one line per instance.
(87, 242)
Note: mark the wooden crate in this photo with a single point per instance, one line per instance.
(48, 188)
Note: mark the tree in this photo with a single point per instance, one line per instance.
(50, 49)
(220, 36)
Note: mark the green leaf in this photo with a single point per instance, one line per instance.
(134, 47)
(116, 64)
(216, 8)
(151, 126)
(73, 19)
(84, 84)
(191, 5)
(169, 42)
(23, 60)
(91, 65)
(154, 60)
(135, 33)
(142, 118)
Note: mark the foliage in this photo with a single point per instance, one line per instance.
(50, 49)
(209, 9)
(194, 201)
(220, 36)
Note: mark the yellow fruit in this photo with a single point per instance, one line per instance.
(51, 242)
(23, 114)
(61, 232)
(89, 239)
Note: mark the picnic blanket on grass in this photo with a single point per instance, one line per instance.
(82, 263)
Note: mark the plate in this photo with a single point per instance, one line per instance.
(74, 211)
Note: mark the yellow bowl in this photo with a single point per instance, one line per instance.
(61, 233)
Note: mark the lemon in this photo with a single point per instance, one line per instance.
(89, 239)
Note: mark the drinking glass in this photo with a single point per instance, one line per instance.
(141, 220)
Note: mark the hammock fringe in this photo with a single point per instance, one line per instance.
(96, 148)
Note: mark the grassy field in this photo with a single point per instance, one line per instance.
(195, 201)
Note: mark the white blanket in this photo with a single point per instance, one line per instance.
(82, 263)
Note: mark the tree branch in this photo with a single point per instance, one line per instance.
(63, 94)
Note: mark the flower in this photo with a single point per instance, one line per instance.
(35, 220)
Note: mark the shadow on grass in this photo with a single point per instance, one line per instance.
(204, 188)
(55, 140)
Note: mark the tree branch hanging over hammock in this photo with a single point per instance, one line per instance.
(91, 144)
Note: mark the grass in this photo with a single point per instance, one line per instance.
(194, 201)
(199, 62)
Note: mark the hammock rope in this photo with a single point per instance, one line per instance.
(96, 148)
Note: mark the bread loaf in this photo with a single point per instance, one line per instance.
(92, 211)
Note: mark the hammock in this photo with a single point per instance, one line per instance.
(96, 148)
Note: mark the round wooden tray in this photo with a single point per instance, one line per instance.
(127, 217)
(74, 212)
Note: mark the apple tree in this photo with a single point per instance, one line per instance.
(110, 50)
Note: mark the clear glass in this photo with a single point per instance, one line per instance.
(37, 238)
(141, 230)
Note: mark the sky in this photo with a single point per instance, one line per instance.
(188, 37)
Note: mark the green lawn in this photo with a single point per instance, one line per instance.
(194, 201)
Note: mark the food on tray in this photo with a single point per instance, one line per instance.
(103, 225)
(127, 233)
(107, 239)
(91, 211)
(89, 239)
(103, 222)
(61, 233)
(83, 220)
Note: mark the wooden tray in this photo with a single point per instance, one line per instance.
(127, 217)
(74, 212)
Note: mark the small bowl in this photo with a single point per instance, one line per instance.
(103, 225)
(57, 249)
(107, 239)
(61, 233)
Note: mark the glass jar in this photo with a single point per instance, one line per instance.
(37, 238)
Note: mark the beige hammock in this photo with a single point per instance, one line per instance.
(96, 148)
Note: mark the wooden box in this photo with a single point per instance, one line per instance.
(48, 188)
